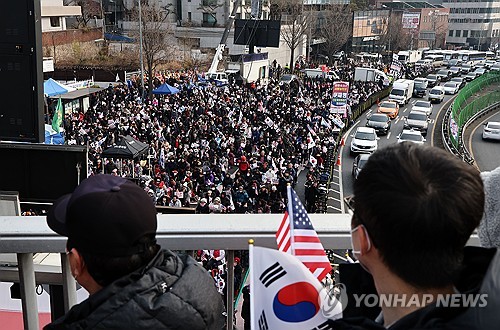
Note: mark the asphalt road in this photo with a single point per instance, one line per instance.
(485, 152)
(391, 137)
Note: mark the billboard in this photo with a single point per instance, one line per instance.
(339, 98)
(411, 20)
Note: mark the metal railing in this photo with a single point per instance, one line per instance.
(25, 236)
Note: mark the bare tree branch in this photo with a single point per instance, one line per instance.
(336, 27)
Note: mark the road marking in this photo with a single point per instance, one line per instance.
(404, 110)
(335, 208)
(333, 198)
(437, 115)
(388, 135)
(332, 182)
(369, 112)
(432, 121)
(397, 119)
(413, 102)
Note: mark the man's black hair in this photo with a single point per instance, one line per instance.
(419, 205)
(105, 270)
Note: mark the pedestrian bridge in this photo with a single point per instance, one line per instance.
(25, 236)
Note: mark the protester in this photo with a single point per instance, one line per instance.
(111, 226)
(414, 247)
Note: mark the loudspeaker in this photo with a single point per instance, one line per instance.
(260, 33)
(21, 76)
(41, 172)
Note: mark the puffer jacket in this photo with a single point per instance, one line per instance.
(171, 292)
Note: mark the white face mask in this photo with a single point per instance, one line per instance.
(358, 253)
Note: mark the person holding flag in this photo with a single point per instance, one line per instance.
(58, 117)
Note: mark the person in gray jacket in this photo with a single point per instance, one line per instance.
(111, 226)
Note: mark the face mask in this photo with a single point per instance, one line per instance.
(358, 253)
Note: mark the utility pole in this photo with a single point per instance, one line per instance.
(140, 51)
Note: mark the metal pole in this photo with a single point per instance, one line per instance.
(28, 291)
(69, 284)
(230, 290)
(140, 51)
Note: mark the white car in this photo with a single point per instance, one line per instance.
(364, 141)
(451, 88)
(411, 136)
(436, 94)
(491, 130)
(424, 106)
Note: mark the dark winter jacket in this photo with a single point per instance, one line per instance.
(171, 292)
(480, 275)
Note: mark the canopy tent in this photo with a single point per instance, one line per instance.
(127, 148)
(166, 89)
(53, 88)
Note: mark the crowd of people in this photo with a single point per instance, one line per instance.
(222, 149)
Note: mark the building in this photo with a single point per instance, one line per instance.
(427, 23)
(473, 23)
(54, 15)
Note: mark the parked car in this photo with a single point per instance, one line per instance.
(390, 108)
(455, 71)
(459, 80)
(436, 94)
(364, 140)
(433, 80)
(470, 76)
(491, 130)
(417, 120)
(424, 106)
(451, 88)
(358, 164)
(380, 122)
(420, 87)
(444, 74)
(411, 135)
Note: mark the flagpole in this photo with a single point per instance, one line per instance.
(290, 216)
(252, 284)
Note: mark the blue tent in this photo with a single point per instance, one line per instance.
(52, 137)
(53, 88)
(166, 89)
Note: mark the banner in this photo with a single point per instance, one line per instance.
(339, 98)
(411, 20)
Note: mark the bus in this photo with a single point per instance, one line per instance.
(473, 57)
(437, 60)
(490, 55)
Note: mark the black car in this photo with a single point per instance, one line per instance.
(358, 164)
(380, 122)
(420, 89)
(433, 80)
(444, 74)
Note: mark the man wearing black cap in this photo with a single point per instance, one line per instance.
(111, 225)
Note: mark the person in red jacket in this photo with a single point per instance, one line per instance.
(243, 165)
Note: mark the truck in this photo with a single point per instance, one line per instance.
(402, 90)
(370, 74)
(409, 56)
(321, 73)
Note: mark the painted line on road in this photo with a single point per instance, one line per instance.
(333, 198)
(336, 183)
(397, 119)
(335, 208)
(388, 135)
(413, 102)
(404, 110)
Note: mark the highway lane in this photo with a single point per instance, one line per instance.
(391, 137)
(486, 153)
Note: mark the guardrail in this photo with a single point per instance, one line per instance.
(459, 114)
(27, 235)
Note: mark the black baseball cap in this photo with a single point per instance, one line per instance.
(105, 215)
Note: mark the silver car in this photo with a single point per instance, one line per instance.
(424, 106)
(417, 120)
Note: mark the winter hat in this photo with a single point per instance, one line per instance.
(489, 228)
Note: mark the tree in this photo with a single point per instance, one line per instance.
(336, 27)
(90, 10)
(395, 37)
(157, 37)
(294, 23)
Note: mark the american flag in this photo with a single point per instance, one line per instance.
(296, 235)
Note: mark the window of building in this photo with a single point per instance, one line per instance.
(450, 34)
(208, 18)
(55, 22)
(457, 33)
(465, 33)
(189, 16)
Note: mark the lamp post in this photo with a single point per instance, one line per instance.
(140, 51)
